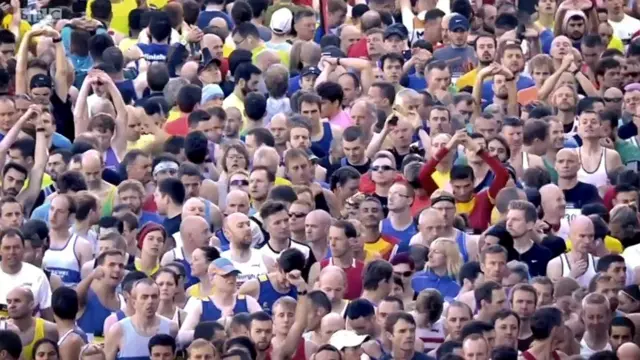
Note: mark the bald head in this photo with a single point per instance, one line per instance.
(237, 201)
(267, 58)
(552, 200)
(317, 225)
(369, 20)
(22, 293)
(194, 231)
(330, 324)
(237, 228)
(613, 92)
(268, 157)
(628, 351)
(193, 206)
(581, 233)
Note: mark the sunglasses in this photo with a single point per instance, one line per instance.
(297, 215)
(239, 183)
(403, 274)
(613, 100)
(382, 168)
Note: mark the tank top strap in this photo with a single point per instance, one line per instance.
(527, 356)
(461, 239)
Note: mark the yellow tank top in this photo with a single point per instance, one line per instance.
(195, 291)
(38, 333)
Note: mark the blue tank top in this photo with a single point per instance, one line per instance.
(461, 239)
(120, 315)
(111, 160)
(134, 345)
(269, 295)
(210, 311)
(321, 147)
(224, 242)
(404, 236)
(127, 90)
(154, 53)
(94, 315)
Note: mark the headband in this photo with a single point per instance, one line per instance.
(165, 165)
(441, 198)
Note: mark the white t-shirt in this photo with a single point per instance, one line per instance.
(31, 277)
(625, 28)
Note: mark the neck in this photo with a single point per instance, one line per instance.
(166, 308)
(483, 316)
(238, 92)
(224, 298)
(401, 219)
(617, 17)
(82, 227)
(370, 234)
(239, 253)
(567, 117)
(546, 20)
(551, 155)
(173, 211)
(298, 236)
(525, 328)
(567, 183)
(541, 350)
(399, 354)
(383, 189)
(64, 325)
(319, 247)
(522, 243)
(257, 204)
(60, 233)
(254, 124)
(11, 268)
(24, 324)
(372, 296)
(103, 291)
(596, 340)
(278, 245)
(552, 217)
(148, 262)
(343, 261)
(439, 271)
(316, 128)
(142, 320)
(205, 285)
(591, 146)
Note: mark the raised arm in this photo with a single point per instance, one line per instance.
(119, 141)
(22, 58)
(81, 112)
(376, 142)
(549, 85)
(30, 194)
(294, 336)
(501, 174)
(85, 285)
(14, 27)
(424, 177)
(477, 87)
(12, 134)
(62, 65)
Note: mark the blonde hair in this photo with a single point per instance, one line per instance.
(452, 253)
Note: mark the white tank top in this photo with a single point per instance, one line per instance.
(525, 161)
(584, 279)
(64, 262)
(599, 177)
(250, 269)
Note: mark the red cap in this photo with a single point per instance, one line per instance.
(147, 228)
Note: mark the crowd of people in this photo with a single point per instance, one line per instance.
(319, 180)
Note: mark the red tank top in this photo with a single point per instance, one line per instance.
(354, 277)
(527, 356)
(300, 355)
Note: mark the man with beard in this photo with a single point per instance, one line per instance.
(261, 331)
(556, 139)
(505, 94)
(250, 261)
(512, 58)
(487, 14)
(485, 47)
(92, 167)
(247, 78)
(521, 219)
(459, 55)
(56, 165)
(574, 25)
(131, 193)
(596, 315)
(370, 215)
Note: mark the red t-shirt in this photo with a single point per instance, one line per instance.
(367, 186)
(359, 49)
(354, 277)
(178, 127)
(149, 204)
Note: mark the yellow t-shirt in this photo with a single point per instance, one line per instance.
(468, 79)
(234, 101)
(23, 28)
(136, 264)
(142, 143)
(174, 114)
(120, 11)
(441, 178)
(157, 4)
(616, 43)
(127, 43)
(610, 243)
(46, 181)
(282, 181)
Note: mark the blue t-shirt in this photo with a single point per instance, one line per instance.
(417, 83)
(60, 142)
(154, 53)
(206, 16)
(524, 82)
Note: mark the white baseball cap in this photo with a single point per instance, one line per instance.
(281, 21)
(347, 338)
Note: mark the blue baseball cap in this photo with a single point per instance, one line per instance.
(458, 22)
(223, 266)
